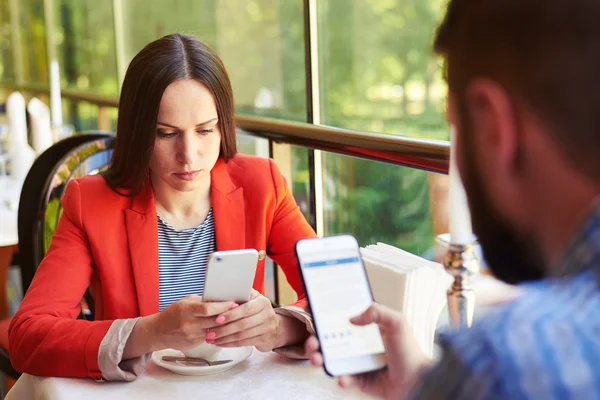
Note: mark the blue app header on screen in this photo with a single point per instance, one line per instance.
(329, 263)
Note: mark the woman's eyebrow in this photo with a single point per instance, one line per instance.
(200, 124)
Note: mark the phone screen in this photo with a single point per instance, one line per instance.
(338, 289)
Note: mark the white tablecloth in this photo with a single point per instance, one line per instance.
(262, 376)
(9, 197)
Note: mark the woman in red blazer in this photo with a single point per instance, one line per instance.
(174, 163)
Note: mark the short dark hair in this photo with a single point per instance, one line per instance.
(152, 70)
(546, 53)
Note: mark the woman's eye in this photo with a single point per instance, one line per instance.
(162, 134)
(205, 131)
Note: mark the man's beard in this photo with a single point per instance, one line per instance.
(511, 258)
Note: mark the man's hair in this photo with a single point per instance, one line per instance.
(546, 53)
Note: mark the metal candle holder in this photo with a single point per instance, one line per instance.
(461, 262)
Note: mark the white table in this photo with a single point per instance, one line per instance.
(9, 237)
(263, 376)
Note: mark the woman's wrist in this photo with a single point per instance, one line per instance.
(143, 338)
(291, 331)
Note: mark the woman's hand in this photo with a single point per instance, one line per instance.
(184, 324)
(255, 323)
(181, 325)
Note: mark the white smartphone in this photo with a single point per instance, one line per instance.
(338, 289)
(230, 275)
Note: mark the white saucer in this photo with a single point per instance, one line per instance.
(236, 354)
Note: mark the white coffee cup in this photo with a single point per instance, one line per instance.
(203, 350)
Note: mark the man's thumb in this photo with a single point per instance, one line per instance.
(377, 314)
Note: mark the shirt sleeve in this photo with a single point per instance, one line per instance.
(461, 373)
(110, 353)
(295, 351)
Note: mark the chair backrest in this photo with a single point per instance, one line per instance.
(39, 205)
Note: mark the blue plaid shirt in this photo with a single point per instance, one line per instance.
(545, 345)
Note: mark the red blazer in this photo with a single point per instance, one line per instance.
(110, 242)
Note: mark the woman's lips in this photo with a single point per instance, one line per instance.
(187, 176)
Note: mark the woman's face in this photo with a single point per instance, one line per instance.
(188, 139)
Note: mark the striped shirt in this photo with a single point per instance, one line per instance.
(182, 259)
(544, 345)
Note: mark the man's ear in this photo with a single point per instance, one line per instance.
(494, 125)
(451, 110)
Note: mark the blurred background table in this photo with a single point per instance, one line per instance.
(9, 238)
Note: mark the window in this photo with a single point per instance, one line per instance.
(377, 73)
(377, 69)
(33, 41)
(85, 42)
(260, 42)
(6, 49)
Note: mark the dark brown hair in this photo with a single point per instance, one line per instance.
(544, 53)
(160, 63)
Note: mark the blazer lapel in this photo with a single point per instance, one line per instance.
(142, 236)
(228, 208)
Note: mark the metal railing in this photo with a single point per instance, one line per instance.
(429, 155)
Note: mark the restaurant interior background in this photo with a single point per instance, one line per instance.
(375, 72)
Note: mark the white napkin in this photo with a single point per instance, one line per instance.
(16, 118)
(409, 284)
(20, 154)
(41, 132)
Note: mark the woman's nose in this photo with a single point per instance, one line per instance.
(186, 151)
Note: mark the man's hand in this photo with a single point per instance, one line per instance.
(405, 360)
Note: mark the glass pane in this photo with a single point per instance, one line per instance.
(6, 57)
(377, 69)
(33, 41)
(260, 42)
(69, 110)
(291, 160)
(87, 117)
(378, 202)
(113, 114)
(301, 180)
(248, 144)
(81, 116)
(147, 20)
(264, 55)
(85, 43)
